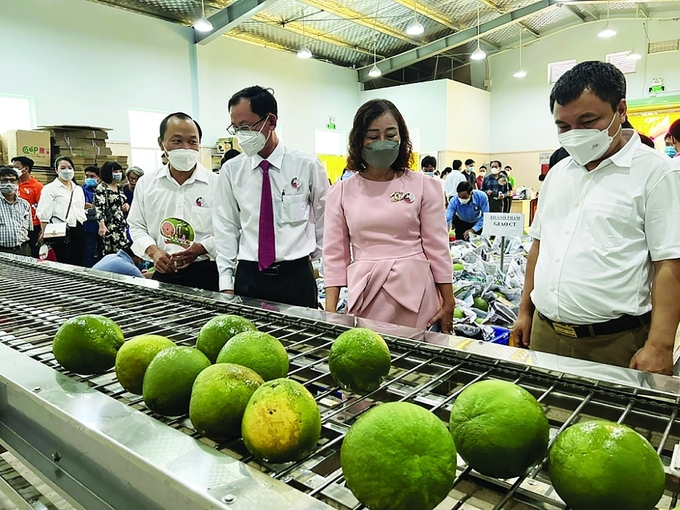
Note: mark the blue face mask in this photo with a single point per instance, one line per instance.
(90, 183)
(670, 151)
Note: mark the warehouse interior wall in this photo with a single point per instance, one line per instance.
(522, 125)
(87, 64)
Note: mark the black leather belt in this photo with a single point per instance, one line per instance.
(15, 248)
(278, 267)
(623, 323)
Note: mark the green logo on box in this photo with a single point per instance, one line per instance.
(29, 150)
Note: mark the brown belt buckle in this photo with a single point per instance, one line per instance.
(564, 329)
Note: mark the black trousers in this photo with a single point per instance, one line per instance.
(290, 282)
(496, 205)
(33, 241)
(73, 250)
(507, 204)
(201, 275)
(461, 227)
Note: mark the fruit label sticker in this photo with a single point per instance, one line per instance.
(177, 231)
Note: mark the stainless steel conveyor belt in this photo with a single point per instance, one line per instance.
(103, 448)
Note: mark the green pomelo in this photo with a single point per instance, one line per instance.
(359, 360)
(600, 465)
(134, 357)
(169, 378)
(499, 428)
(258, 351)
(218, 331)
(87, 344)
(281, 422)
(481, 304)
(399, 456)
(219, 398)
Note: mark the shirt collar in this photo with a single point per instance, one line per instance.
(4, 198)
(200, 174)
(624, 158)
(275, 158)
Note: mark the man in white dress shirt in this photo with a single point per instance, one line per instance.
(603, 276)
(453, 180)
(171, 216)
(270, 209)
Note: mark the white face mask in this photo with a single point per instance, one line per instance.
(66, 174)
(464, 200)
(8, 188)
(586, 145)
(252, 142)
(495, 170)
(182, 160)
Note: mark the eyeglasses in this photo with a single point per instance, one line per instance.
(234, 130)
(6, 180)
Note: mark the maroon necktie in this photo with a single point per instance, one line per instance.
(266, 248)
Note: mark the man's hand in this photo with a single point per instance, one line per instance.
(162, 261)
(522, 330)
(501, 196)
(467, 233)
(654, 359)
(489, 192)
(186, 257)
(88, 205)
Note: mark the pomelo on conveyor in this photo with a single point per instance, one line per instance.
(499, 428)
(359, 360)
(134, 357)
(399, 456)
(87, 344)
(259, 351)
(169, 378)
(281, 422)
(600, 465)
(219, 398)
(218, 331)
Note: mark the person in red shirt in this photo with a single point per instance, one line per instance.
(29, 190)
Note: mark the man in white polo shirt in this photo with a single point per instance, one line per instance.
(603, 276)
(171, 216)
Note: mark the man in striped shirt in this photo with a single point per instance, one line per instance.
(15, 215)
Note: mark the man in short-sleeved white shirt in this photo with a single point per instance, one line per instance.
(453, 180)
(270, 209)
(171, 216)
(606, 236)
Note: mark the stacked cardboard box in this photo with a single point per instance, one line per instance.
(33, 144)
(85, 145)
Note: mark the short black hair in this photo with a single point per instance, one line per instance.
(26, 162)
(496, 161)
(63, 158)
(8, 171)
(469, 162)
(92, 168)
(541, 177)
(484, 167)
(446, 171)
(464, 186)
(507, 166)
(107, 170)
(457, 163)
(230, 154)
(427, 161)
(182, 116)
(262, 101)
(604, 80)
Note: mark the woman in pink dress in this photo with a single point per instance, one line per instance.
(385, 235)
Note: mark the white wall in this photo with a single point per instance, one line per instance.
(520, 113)
(308, 92)
(86, 63)
(447, 117)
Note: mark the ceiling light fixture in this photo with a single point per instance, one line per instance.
(415, 27)
(634, 55)
(607, 31)
(202, 24)
(375, 71)
(479, 53)
(520, 73)
(304, 52)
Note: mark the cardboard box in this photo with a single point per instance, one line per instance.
(32, 144)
